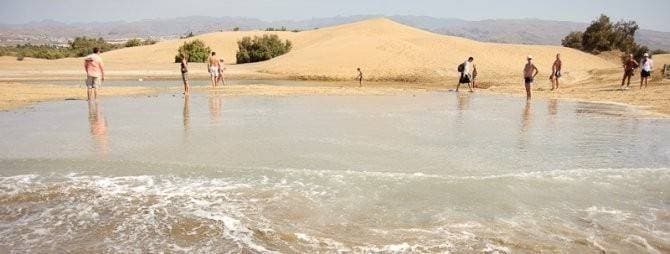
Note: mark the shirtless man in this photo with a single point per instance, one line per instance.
(629, 67)
(95, 73)
(556, 72)
(213, 66)
(529, 73)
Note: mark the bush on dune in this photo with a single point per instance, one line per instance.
(195, 51)
(603, 35)
(261, 48)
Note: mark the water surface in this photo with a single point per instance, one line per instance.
(428, 172)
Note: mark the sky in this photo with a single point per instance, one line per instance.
(650, 14)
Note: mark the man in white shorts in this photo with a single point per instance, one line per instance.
(213, 67)
(95, 73)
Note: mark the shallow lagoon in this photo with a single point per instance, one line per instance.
(419, 172)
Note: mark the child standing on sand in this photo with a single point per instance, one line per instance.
(221, 69)
(359, 77)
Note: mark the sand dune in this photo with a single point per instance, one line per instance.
(384, 49)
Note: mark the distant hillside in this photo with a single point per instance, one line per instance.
(519, 31)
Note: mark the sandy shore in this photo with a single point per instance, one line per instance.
(399, 57)
(14, 95)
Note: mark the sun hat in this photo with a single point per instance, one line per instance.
(529, 57)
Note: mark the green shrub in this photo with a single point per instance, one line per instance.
(196, 51)
(149, 42)
(134, 43)
(82, 46)
(261, 48)
(573, 40)
(602, 35)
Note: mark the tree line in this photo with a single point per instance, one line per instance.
(80, 46)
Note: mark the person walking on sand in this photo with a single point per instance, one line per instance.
(466, 69)
(529, 73)
(184, 73)
(629, 67)
(213, 66)
(359, 77)
(647, 66)
(556, 72)
(221, 69)
(95, 73)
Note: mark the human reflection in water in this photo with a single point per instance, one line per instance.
(186, 113)
(214, 107)
(98, 128)
(526, 119)
(463, 102)
(552, 107)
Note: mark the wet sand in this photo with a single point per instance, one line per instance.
(15, 95)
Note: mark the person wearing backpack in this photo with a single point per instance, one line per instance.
(466, 69)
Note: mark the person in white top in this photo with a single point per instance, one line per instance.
(647, 66)
(466, 75)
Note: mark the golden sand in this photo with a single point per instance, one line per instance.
(385, 50)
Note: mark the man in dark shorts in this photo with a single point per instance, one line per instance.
(645, 72)
(184, 73)
(556, 72)
(629, 67)
(529, 73)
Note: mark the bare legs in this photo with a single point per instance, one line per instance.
(554, 83)
(643, 82)
(92, 93)
(623, 81)
(527, 91)
(214, 78)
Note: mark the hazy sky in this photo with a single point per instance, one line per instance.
(650, 14)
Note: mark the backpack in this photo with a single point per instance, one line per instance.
(461, 67)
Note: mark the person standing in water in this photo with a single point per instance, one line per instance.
(213, 66)
(95, 73)
(529, 73)
(184, 73)
(221, 69)
(556, 72)
(629, 67)
(645, 72)
(359, 77)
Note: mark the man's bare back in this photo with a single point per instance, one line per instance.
(213, 61)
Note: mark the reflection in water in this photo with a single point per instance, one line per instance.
(526, 119)
(215, 107)
(186, 113)
(98, 128)
(463, 102)
(552, 107)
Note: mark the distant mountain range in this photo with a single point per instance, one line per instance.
(521, 31)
